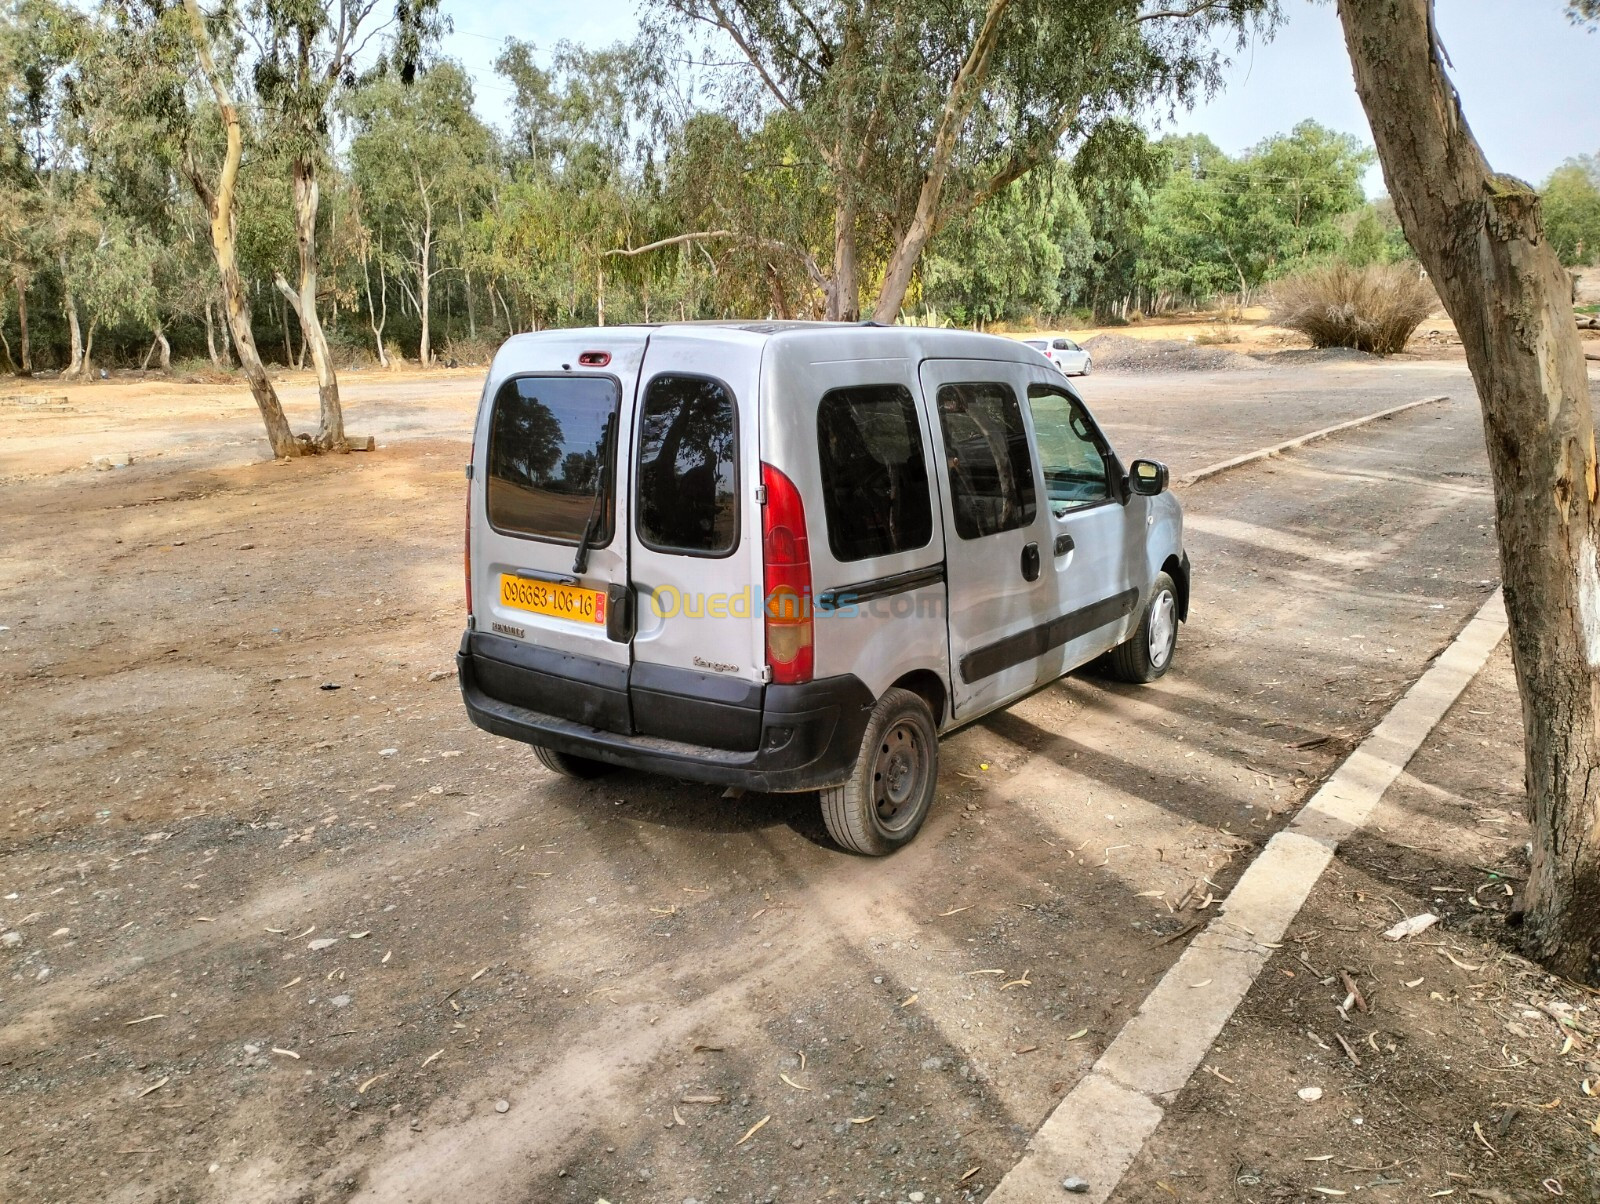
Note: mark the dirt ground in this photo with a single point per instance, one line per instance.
(231, 736)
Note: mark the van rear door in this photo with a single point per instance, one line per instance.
(695, 540)
(549, 540)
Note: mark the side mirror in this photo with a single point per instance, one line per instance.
(1148, 477)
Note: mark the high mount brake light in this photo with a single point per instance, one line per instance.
(594, 359)
(786, 565)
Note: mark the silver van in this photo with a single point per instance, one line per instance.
(788, 556)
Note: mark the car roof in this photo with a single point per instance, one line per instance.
(815, 339)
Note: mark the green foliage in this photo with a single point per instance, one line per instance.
(1221, 224)
(1571, 208)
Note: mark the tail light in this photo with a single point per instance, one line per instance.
(786, 564)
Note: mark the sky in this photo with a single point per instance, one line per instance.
(1529, 80)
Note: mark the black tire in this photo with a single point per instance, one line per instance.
(893, 781)
(568, 765)
(1135, 659)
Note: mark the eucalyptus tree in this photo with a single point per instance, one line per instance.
(916, 113)
(307, 52)
(417, 153)
(1480, 235)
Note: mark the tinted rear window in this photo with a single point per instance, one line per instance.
(874, 476)
(986, 445)
(549, 455)
(688, 476)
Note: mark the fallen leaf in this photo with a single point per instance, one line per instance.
(700, 1099)
(288, 1053)
(862, 1120)
(436, 1053)
(792, 1083)
(954, 911)
(156, 1086)
(909, 1000)
(297, 979)
(754, 1129)
(1024, 981)
(356, 936)
(362, 1090)
(970, 1173)
(677, 1119)
(142, 1019)
(1026, 1049)
(1330, 1191)
(1082, 1032)
(1204, 982)
(479, 974)
(1457, 961)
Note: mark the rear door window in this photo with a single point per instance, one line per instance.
(986, 452)
(688, 467)
(550, 456)
(874, 474)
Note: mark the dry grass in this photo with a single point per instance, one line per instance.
(1373, 308)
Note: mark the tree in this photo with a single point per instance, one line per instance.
(1222, 224)
(418, 155)
(916, 114)
(1572, 210)
(1480, 236)
(308, 48)
(218, 193)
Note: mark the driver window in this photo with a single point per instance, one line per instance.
(1075, 471)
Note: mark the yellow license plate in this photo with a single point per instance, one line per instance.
(558, 601)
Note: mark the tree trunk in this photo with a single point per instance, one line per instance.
(844, 290)
(1480, 237)
(5, 348)
(376, 319)
(424, 283)
(211, 338)
(224, 221)
(330, 429)
(75, 365)
(24, 348)
(87, 367)
(166, 350)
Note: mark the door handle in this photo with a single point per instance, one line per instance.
(1030, 562)
(1064, 544)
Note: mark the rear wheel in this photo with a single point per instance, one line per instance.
(569, 765)
(892, 783)
(1147, 653)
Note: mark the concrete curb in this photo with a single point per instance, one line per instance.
(1277, 449)
(1097, 1131)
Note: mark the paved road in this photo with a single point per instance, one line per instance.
(647, 946)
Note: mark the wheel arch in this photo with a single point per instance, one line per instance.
(930, 687)
(1178, 570)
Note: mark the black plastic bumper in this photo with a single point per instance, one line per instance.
(809, 736)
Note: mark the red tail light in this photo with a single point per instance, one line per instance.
(786, 563)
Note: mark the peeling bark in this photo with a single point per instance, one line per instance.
(330, 429)
(1480, 237)
(224, 225)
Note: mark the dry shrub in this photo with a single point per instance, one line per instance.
(1374, 308)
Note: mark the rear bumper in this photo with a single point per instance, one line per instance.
(809, 734)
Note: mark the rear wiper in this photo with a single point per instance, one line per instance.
(580, 562)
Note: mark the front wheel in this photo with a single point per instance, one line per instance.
(892, 783)
(1088, 366)
(1147, 653)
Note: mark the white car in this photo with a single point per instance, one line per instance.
(1066, 355)
(789, 556)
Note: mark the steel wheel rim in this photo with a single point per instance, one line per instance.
(1163, 627)
(899, 774)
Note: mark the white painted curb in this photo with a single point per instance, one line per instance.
(1277, 449)
(1097, 1131)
